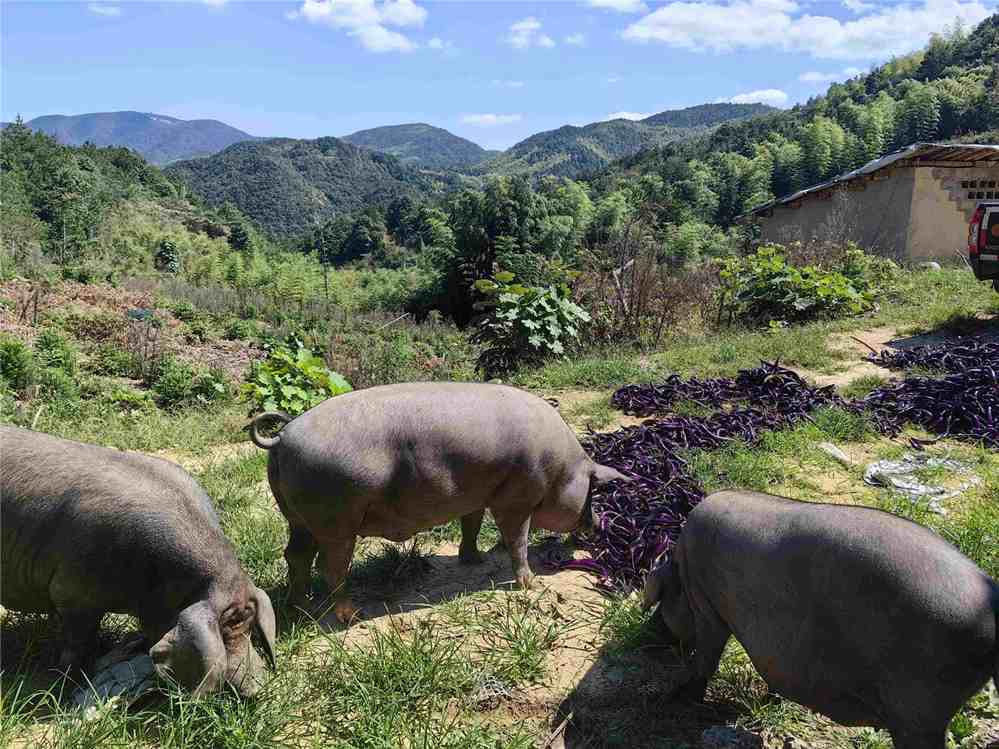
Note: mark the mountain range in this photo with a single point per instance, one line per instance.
(571, 151)
(158, 138)
(287, 184)
(421, 145)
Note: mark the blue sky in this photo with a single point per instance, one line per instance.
(494, 72)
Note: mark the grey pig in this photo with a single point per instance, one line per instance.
(390, 461)
(89, 530)
(859, 614)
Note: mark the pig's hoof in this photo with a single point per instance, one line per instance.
(471, 556)
(345, 612)
(693, 691)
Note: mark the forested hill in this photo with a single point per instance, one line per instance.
(572, 151)
(421, 145)
(287, 185)
(947, 91)
(158, 138)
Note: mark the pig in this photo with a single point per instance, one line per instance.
(88, 530)
(393, 460)
(856, 613)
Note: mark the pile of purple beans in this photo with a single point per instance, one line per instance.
(964, 404)
(639, 521)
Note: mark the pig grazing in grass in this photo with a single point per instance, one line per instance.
(87, 530)
(861, 615)
(394, 460)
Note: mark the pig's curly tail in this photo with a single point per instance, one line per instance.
(267, 442)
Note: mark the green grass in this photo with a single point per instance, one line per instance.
(596, 413)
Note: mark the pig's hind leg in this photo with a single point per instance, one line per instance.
(471, 524)
(907, 738)
(337, 553)
(300, 553)
(709, 643)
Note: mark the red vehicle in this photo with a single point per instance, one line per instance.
(983, 243)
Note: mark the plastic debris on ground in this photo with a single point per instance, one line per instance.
(900, 475)
(123, 675)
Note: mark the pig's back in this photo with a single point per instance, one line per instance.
(454, 423)
(853, 592)
(97, 515)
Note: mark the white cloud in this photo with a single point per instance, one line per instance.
(403, 13)
(104, 10)
(813, 76)
(527, 33)
(614, 79)
(490, 120)
(627, 116)
(724, 26)
(772, 96)
(577, 39)
(859, 6)
(509, 84)
(621, 6)
(441, 45)
(377, 38)
(366, 20)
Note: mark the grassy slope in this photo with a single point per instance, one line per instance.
(499, 668)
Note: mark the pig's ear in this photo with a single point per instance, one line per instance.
(265, 625)
(192, 653)
(604, 474)
(653, 589)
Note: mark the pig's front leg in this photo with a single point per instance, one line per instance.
(79, 638)
(515, 530)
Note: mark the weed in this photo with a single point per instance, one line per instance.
(862, 386)
(111, 359)
(17, 365)
(53, 349)
(517, 638)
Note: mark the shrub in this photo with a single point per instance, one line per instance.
(524, 324)
(96, 326)
(128, 399)
(53, 349)
(167, 258)
(210, 387)
(376, 351)
(292, 379)
(174, 382)
(239, 330)
(197, 331)
(111, 359)
(764, 287)
(184, 310)
(55, 386)
(17, 365)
